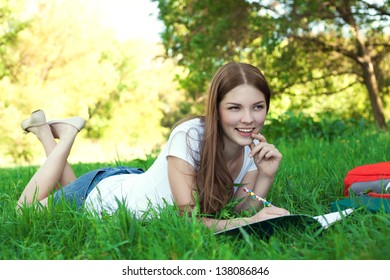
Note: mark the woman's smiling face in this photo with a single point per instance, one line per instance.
(241, 113)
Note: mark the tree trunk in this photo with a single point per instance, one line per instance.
(363, 57)
(371, 84)
(370, 81)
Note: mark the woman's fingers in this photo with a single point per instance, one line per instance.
(270, 212)
(261, 149)
(265, 150)
(256, 148)
(273, 210)
(259, 137)
(273, 153)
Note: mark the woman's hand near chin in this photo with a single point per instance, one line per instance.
(266, 156)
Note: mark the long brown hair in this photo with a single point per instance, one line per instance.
(214, 182)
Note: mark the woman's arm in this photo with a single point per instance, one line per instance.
(263, 214)
(182, 181)
(181, 176)
(259, 185)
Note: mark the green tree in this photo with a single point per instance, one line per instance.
(9, 29)
(328, 46)
(66, 63)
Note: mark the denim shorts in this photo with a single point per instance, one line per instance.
(78, 190)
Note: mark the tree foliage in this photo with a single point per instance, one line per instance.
(67, 63)
(323, 46)
(9, 29)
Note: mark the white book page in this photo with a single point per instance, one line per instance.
(329, 219)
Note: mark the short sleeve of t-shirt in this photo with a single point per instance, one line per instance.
(184, 142)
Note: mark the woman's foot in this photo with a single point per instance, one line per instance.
(36, 119)
(60, 128)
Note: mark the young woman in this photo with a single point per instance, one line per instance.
(212, 159)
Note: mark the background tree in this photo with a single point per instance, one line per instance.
(10, 27)
(324, 46)
(67, 63)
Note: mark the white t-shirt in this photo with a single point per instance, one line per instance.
(136, 191)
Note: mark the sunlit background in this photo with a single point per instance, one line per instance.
(131, 19)
(106, 61)
(101, 59)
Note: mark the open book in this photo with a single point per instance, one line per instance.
(267, 227)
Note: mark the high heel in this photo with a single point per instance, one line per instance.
(76, 122)
(37, 118)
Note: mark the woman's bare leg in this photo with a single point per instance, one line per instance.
(48, 175)
(45, 136)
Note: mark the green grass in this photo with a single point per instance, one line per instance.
(310, 178)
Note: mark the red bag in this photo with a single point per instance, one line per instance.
(369, 175)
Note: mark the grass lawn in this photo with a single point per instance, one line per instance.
(310, 178)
